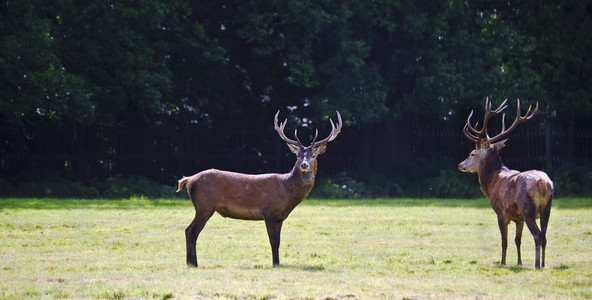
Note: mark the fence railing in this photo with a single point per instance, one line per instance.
(162, 156)
(536, 147)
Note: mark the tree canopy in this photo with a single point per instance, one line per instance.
(223, 63)
(103, 61)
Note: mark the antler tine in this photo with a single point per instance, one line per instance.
(296, 135)
(334, 131)
(315, 137)
(519, 119)
(280, 130)
(471, 137)
(313, 140)
(490, 113)
(470, 131)
(477, 136)
(528, 114)
(476, 132)
(499, 109)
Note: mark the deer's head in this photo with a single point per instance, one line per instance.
(307, 156)
(485, 144)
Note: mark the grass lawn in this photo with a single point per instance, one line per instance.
(366, 249)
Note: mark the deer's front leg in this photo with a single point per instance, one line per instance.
(503, 226)
(273, 231)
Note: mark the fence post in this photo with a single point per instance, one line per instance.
(180, 155)
(278, 156)
(548, 165)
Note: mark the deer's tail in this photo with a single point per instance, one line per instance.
(182, 182)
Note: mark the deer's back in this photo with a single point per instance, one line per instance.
(236, 195)
(512, 187)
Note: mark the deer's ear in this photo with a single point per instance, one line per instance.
(294, 148)
(320, 149)
(499, 145)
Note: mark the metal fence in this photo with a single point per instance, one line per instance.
(163, 154)
(544, 146)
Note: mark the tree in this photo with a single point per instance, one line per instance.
(33, 80)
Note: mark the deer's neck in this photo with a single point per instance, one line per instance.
(300, 184)
(489, 171)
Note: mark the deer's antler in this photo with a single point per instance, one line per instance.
(334, 132)
(519, 119)
(478, 136)
(280, 130)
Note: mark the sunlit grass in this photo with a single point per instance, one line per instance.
(389, 248)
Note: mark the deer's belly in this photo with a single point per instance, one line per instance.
(239, 212)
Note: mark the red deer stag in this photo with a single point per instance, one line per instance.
(514, 196)
(268, 197)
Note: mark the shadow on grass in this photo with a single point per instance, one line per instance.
(520, 269)
(561, 203)
(403, 202)
(515, 268)
(309, 268)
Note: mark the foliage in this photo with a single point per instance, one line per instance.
(79, 61)
(425, 181)
(572, 180)
(60, 188)
(452, 183)
(135, 186)
(106, 62)
(415, 180)
(113, 187)
(175, 64)
(340, 187)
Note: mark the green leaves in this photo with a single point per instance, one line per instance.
(100, 61)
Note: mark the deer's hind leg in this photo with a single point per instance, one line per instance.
(544, 222)
(529, 213)
(192, 232)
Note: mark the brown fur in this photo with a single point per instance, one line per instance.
(521, 197)
(267, 197)
(516, 196)
(248, 197)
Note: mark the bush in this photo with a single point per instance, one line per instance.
(6, 187)
(427, 180)
(453, 183)
(135, 186)
(113, 187)
(431, 179)
(340, 187)
(58, 188)
(573, 180)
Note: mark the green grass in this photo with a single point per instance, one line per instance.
(368, 249)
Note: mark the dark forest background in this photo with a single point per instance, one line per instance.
(115, 98)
